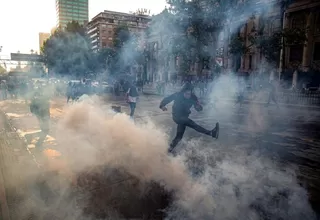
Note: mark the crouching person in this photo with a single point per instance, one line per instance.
(40, 107)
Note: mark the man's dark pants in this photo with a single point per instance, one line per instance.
(132, 108)
(182, 123)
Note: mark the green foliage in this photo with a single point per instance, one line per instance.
(126, 52)
(294, 36)
(68, 51)
(269, 45)
(198, 22)
(238, 46)
(121, 36)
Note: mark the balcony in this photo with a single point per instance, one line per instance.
(92, 30)
(94, 35)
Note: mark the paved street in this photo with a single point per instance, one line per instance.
(286, 135)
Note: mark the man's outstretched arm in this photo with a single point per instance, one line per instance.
(167, 100)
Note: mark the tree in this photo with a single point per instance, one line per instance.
(68, 51)
(269, 45)
(199, 22)
(121, 36)
(128, 50)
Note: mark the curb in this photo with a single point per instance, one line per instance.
(10, 135)
(22, 138)
(5, 212)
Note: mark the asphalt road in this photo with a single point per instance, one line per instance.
(287, 136)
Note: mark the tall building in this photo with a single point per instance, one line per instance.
(42, 38)
(72, 10)
(101, 27)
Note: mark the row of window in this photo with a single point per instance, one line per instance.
(72, 1)
(104, 38)
(71, 16)
(296, 52)
(81, 12)
(68, 21)
(75, 9)
(71, 5)
(300, 21)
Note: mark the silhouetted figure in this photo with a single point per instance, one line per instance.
(183, 101)
(4, 90)
(69, 91)
(40, 107)
(132, 96)
(273, 93)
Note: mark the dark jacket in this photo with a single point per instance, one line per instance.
(181, 106)
(133, 91)
(40, 105)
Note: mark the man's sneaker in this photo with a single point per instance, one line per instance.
(215, 131)
(171, 151)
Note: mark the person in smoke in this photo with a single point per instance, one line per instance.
(69, 91)
(132, 96)
(273, 92)
(4, 90)
(40, 107)
(240, 95)
(183, 101)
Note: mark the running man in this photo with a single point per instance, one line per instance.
(182, 102)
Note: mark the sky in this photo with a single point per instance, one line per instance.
(22, 20)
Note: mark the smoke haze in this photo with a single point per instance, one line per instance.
(231, 185)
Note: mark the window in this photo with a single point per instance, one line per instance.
(299, 21)
(296, 53)
(317, 26)
(316, 53)
(110, 38)
(275, 25)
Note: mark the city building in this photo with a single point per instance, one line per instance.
(302, 58)
(101, 28)
(42, 38)
(303, 14)
(72, 10)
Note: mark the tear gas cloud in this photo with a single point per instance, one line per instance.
(231, 185)
(228, 185)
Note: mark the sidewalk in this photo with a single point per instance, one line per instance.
(17, 167)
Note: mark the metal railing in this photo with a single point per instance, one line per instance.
(311, 98)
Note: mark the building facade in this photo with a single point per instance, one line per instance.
(101, 28)
(301, 14)
(42, 38)
(72, 10)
